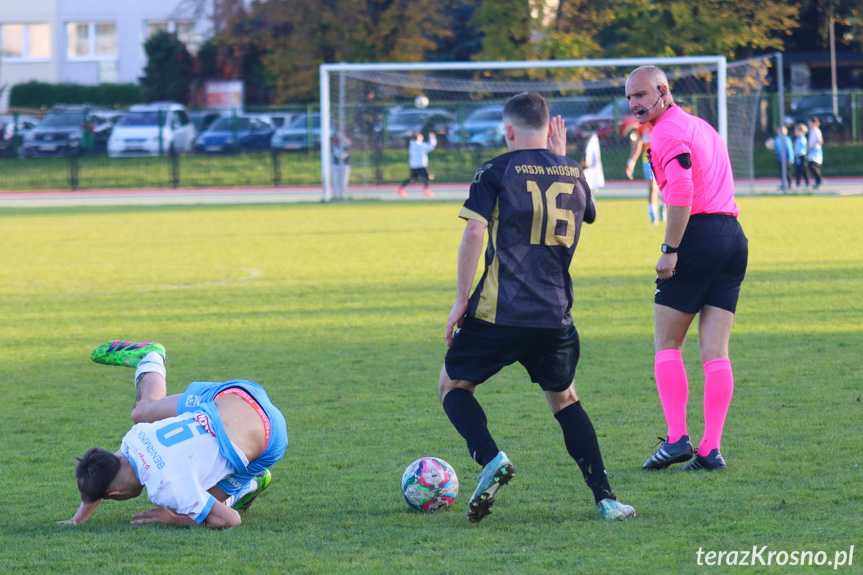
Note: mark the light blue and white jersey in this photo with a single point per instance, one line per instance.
(177, 459)
(816, 153)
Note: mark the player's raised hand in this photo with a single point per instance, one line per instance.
(557, 136)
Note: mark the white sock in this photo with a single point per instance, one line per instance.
(152, 362)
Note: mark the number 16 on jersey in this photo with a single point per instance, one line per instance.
(560, 226)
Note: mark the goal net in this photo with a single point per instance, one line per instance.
(369, 113)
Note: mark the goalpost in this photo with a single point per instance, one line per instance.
(368, 104)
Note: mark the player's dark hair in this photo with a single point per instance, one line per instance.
(527, 110)
(95, 472)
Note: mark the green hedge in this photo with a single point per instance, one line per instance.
(839, 160)
(42, 94)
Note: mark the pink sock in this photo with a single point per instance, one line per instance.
(718, 388)
(673, 391)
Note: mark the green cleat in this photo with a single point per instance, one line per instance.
(263, 480)
(127, 353)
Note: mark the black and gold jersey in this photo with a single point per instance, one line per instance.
(534, 203)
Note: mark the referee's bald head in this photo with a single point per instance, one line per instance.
(654, 76)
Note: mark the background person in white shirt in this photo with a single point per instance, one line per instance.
(816, 152)
(593, 171)
(418, 161)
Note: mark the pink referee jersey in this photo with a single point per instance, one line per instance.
(712, 186)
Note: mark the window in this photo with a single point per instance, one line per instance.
(26, 41)
(187, 35)
(156, 26)
(91, 40)
(183, 29)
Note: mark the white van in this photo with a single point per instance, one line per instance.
(138, 131)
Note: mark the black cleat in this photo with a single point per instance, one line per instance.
(670, 453)
(713, 461)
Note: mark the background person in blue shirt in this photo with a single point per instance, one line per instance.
(801, 147)
(784, 147)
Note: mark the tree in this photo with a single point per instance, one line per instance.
(169, 71)
(732, 28)
(300, 35)
(507, 29)
(463, 38)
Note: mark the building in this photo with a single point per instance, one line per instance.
(92, 42)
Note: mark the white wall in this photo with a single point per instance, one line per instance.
(130, 18)
(14, 71)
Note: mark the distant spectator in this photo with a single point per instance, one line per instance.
(593, 163)
(641, 146)
(801, 147)
(784, 148)
(816, 153)
(341, 165)
(418, 161)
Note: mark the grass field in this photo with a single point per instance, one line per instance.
(339, 311)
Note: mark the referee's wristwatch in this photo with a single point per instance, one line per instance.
(667, 249)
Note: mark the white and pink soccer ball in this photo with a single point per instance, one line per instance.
(429, 484)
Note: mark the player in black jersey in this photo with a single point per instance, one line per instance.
(532, 201)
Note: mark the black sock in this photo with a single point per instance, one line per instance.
(581, 443)
(466, 414)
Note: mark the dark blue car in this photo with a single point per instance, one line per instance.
(242, 133)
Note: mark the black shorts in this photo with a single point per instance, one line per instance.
(481, 349)
(419, 175)
(711, 265)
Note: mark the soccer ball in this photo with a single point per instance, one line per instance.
(429, 484)
(421, 102)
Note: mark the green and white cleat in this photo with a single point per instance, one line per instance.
(263, 480)
(125, 353)
(495, 474)
(612, 509)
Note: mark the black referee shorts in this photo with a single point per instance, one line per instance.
(480, 349)
(711, 265)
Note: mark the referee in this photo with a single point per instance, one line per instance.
(700, 270)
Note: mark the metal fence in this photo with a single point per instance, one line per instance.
(295, 161)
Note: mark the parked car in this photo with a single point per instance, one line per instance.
(606, 126)
(571, 109)
(821, 105)
(12, 132)
(280, 119)
(403, 123)
(202, 120)
(295, 134)
(67, 130)
(482, 128)
(152, 129)
(242, 132)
